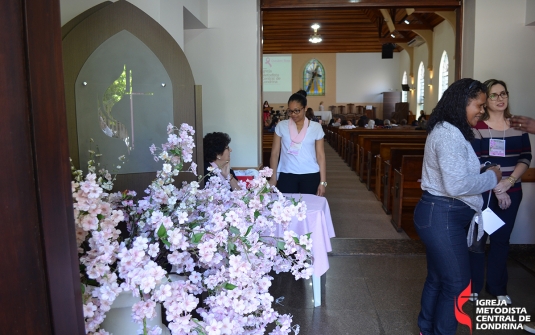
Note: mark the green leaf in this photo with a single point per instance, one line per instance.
(231, 247)
(162, 232)
(296, 240)
(92, 282)
(166, 242)
(261, 197)
(100, 216)
(281, 245)
(256, 214)
(197, 237)
(229, 286)
(249, 230)
(234, 230)
(82, 286)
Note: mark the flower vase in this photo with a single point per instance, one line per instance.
(119, 321)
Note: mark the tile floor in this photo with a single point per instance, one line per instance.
(379, 294)
(376, 274)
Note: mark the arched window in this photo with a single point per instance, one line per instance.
(443, 76)
(404, 93)
(314, 78)
(421, 88)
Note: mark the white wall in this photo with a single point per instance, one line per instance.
(420, 55)
(168, 13)
(504, 49)
(468, 39)
(530, 12)
(71, 8)
(443, 40)
(405, 66)
(364, 76)
(225, 59)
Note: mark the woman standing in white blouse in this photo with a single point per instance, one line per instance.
(299, 145)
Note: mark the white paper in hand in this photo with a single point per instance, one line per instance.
(491, 221)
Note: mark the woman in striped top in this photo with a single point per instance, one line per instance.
(497, 142)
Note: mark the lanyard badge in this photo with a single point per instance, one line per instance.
(496, 147)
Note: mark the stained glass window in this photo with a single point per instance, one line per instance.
(443, 77)
(404, 93)
(421, 87)
(314, 78)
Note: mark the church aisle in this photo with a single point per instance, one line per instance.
(376, 275)
(355, 211)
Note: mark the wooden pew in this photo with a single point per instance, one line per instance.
(267, 142)
(389, 166)
(344, 149)
(371, 167)
(371, 143)
(353, 141)
(384, 155)
(406, 193)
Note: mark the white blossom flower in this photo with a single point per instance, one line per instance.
(215, 241)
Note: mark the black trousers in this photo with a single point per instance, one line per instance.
(497, 276)
(298, 183)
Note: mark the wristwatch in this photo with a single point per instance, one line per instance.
(323, 183)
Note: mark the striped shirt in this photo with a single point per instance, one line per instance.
(517, 149)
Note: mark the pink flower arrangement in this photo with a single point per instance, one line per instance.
(186, 243)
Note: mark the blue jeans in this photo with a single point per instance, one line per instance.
(442, 224)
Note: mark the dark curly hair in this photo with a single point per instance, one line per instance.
(214, 144)
(299, 96)
(452, 106)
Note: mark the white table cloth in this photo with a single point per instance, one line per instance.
(319, 223)
(325, 115)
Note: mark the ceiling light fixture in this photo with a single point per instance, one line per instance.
(393, 36)
(315, 38)
(406, 21)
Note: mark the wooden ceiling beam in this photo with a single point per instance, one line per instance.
(324, 15)
(394, 40)
(411, 26)
(432, 10)
(342, 29)
(346, 37)
(295, 31)
(324, 24)
(320, 4)
(343, 42)
(400, 21)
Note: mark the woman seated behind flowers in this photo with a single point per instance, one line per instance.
(217, 155)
